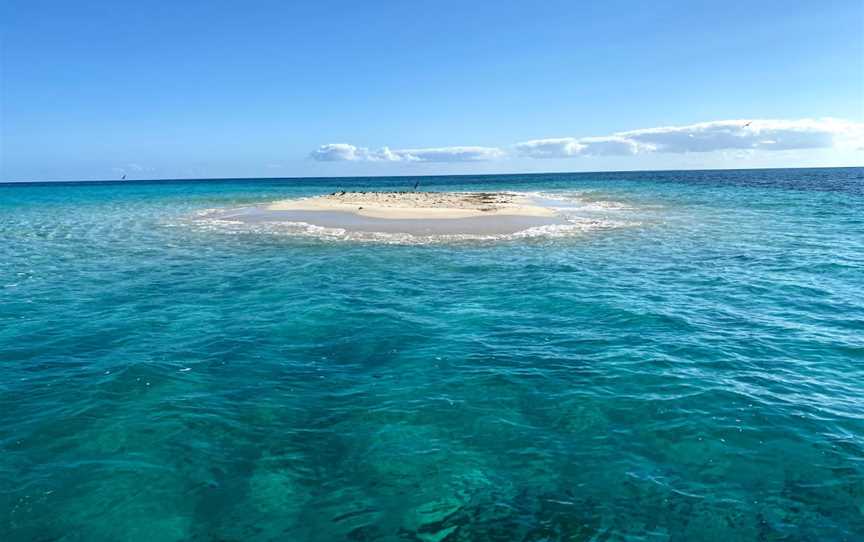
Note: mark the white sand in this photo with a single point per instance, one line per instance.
(419, 205)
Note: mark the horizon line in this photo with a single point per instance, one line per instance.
(337, 177)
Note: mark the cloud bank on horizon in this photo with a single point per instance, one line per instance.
(336, 152)
(722, 135)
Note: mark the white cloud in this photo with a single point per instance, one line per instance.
(609, 146)
(744, 134)
(564, 147)
(337, 152)
(557, 147)
(450, 154)
(721, 135)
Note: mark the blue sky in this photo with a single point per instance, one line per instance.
(95, 89)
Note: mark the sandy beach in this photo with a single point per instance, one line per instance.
(413, 213)
(419, 205)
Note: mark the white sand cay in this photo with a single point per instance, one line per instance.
(484, 214)
(419, 205)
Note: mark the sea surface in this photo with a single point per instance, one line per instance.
(682, 361)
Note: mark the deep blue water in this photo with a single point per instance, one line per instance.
(692, 368)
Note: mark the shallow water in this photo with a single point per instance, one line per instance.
(686, 362)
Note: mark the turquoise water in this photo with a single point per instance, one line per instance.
(685, 363)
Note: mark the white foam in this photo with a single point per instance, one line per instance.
(578, 201)
(573, 228)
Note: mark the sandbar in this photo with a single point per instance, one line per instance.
(413, 213)
(419, 205)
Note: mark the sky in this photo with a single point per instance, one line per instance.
(215, 89)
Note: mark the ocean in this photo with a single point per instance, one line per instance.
(682, 361)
